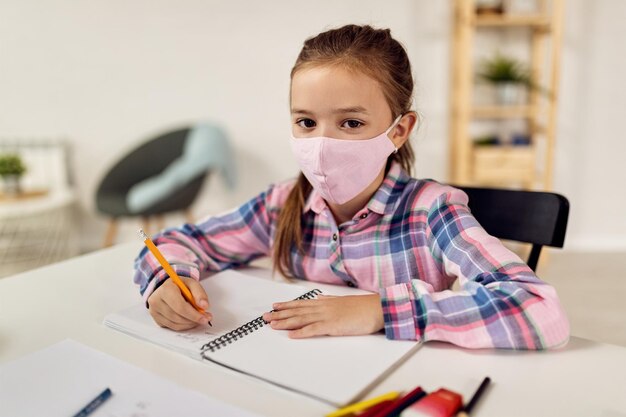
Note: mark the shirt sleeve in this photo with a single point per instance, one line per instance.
(216, 243)
(501, 302)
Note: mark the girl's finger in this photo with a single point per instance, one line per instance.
(198, 292)
(175, 300)
(284, 314)
(291, 304)
(295, 322)
(166, 311)
(164, 321)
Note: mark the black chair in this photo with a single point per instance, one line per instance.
(147, 160)
(538, 218)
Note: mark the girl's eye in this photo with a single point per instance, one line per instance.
(352, 124)
(306, 123)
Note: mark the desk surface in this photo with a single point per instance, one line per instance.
(70, 299)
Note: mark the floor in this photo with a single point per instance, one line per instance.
(592, 288)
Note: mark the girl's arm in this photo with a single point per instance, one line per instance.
(216, 243)
(501, 303)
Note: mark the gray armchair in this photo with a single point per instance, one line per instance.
(147, 160)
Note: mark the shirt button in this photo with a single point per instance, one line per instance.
(364, 215)
(335, 236)
(351, 284)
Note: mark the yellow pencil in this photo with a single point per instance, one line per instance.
(170, 271)
(364, 405)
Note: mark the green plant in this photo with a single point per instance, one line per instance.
(502, 69)
(11, 165)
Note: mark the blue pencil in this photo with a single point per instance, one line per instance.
(95, 403)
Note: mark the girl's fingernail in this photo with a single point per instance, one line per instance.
(203, 304)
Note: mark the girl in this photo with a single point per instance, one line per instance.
(355, 217)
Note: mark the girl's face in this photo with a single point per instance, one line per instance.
(334, 102)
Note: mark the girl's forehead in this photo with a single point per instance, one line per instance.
(336, 75)
(335, 87)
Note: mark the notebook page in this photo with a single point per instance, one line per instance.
(59, 380)
(235, 299)
(337, 370)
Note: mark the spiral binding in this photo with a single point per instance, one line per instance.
(249, 327)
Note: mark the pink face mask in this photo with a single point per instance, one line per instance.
(339, 169)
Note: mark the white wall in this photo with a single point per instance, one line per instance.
(107, 74)
(591, 135)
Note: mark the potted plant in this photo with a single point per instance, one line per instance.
(508, 75)
(11, 170)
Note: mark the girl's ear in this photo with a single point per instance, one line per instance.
(401, 132)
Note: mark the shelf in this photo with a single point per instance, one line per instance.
(530, 166)
(494, 164)
(24, 195)
(504, 20)
(503, 112)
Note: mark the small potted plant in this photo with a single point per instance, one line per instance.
(11, 170)
(509, 77)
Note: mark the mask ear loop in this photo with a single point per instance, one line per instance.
(395, 122)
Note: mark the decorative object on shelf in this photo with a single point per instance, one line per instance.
(11, 170)
(490, 140)
(509, 77)
(520, 139)
(489, 6)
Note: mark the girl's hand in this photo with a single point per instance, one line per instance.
(169, 308)
(328, 315)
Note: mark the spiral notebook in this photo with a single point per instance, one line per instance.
(336, 370)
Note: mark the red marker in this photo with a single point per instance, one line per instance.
(441, 403)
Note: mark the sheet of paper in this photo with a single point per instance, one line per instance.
(62, 379)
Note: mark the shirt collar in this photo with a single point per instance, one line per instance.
(382, 202)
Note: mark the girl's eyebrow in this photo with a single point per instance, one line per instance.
(299, 111)
(353, 109)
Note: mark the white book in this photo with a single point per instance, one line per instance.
(60, 380)
(336, 370)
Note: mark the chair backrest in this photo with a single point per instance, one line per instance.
(147, 160)
(535, 217)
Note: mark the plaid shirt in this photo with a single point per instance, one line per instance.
(411, 241)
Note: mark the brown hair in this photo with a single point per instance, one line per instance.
(372, 52)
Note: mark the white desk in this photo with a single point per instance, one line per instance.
(69, 300)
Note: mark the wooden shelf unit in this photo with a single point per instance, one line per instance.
(502, 165)
(504, 20)
(503, 112)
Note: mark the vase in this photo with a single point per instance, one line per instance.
(11, 185)
(508, 93)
